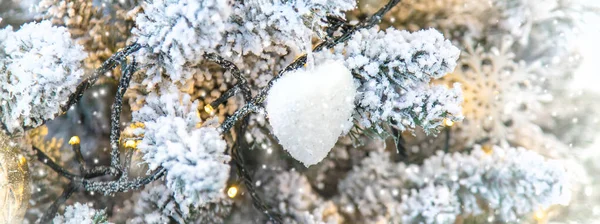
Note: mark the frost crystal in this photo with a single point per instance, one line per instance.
(197, 168)
(395, 68)
(80, 214)
(309, 110)
(40, 67)
(176, 34)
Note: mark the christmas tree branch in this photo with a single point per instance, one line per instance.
(253, 104)
(108, 65)
(300, 61)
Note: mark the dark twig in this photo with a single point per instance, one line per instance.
(447, 142)
(115, 129)
(42, 157)
(400, 147)
(51, 212)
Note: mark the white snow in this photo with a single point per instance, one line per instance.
(195, 159)
(40, 66)
(80, 214)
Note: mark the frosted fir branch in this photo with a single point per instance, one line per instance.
(255, 103)
(175, 34)
(123, 184)
(512, 182)
(194, 158)
(40, 66)
(81, 214)
(300, 61)
(84, 85)
(371, 191)
(278, 28)
(431, 204)
(394, 69)
(156, 204)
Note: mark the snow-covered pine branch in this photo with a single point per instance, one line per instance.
(505, 183)
(281, 27)
(40, 67)
(371, 191)
(511, 182)
(175, 34)
(197, 168)
(292, 196)
(394, 69)
(81, 214)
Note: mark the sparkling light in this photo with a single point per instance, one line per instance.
(232, 191)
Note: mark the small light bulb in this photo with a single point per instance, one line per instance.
(448, 122)
(22, 160)
(232, 192)
(540, 215)
(132, 144)
(487, 149)
(208, 108)
(74, 140)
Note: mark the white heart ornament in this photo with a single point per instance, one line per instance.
(309, 110)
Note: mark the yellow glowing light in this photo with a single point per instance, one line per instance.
(74, 140)
(132, 144)
(232, 191)
(22, 160)
(208, 108)
(540, 215)
(448, 122)
(487, 149)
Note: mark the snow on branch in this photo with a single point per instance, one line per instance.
(511, 182)
(40, 67)
(175, 34)
(506, 183)
(394, 69)
(80, 214)
(197, 168)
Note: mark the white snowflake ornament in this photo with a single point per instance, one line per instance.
(310, 109)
